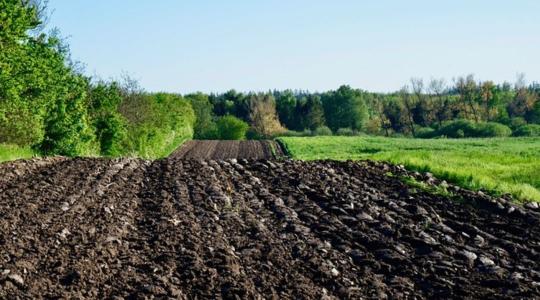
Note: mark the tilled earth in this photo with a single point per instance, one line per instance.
(252, 149)
(194, 229)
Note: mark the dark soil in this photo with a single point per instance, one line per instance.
(193, 229)
(229, 149)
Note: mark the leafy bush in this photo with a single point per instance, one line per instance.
(346, 132)
(110, 127)
(67, 127)
(231, 128)
(111, 133)
(532, 130)
(42, 96)
(457, 129)
(19, 125)
(205, 127)
(533, 116)
(517, 122)
(322, 131)
(492, 129)
(210, 132)
(157, 123)
(466, 129)
(425, 133)
(374, 126)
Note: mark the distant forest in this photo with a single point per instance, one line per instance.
(467, 108)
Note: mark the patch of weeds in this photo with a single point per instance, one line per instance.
(273, 150)
(440, 190)
(389, 174)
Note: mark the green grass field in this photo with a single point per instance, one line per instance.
(502, 165)
(10, 152)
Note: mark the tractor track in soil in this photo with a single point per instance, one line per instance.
(190, 227)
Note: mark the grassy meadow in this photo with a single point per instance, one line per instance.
(498, 165)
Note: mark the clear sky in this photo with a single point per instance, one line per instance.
(249, 45)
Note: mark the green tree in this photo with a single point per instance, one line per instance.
(205, 127)
(231, 128)
(313, 113)
(67, 129)
(345, 108)
(42, 96)
(468, 93)
(533, 116)
(394, 111)
(232, 102)
(109, 125)
(285, 105)
(157, 123)
(408, 108)
(440, 100)
(16, 19)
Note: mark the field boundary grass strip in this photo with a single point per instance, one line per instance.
(284, 149)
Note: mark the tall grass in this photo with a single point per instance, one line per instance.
(500, 165)
(11, 152)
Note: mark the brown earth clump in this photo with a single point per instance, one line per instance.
(244, 229)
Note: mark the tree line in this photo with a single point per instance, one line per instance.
(466, 108)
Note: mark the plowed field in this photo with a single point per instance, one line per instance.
(194, 229)
(228, 150)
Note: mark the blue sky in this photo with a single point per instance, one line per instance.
(214, 46)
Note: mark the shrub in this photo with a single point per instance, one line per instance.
(346, 132)
(528, 130)
(293, 133)
(231, 128)
(157, 123)
(533, 116)
(20, 126)
(517, 122)
(322, 130)
(466, 129)
(67, 127)
(306, 132)
(42, 96)
(205, 127)
(457, 129)
(425, 133)
(111, 132)
(492, 129)
(209, 132)
(109, 125)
